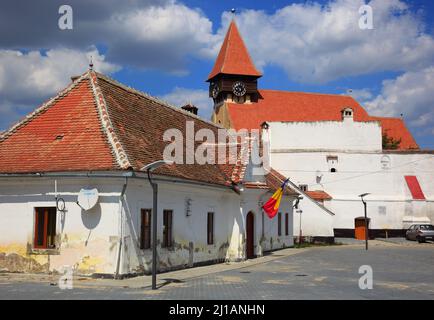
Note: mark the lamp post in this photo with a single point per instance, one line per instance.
(149, 168)
(366, 219)
(296, 206)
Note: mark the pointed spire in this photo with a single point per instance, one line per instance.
(233, 57)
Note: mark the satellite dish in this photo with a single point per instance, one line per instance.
(87, 198)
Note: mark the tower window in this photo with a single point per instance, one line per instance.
(333, 170)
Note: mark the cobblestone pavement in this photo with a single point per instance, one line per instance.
(399, 272)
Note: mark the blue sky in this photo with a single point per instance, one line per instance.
(168, 47)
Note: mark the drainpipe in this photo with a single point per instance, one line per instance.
(121, 232)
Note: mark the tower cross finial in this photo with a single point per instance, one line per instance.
(91, 63)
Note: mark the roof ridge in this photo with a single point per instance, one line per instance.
(116, 144)
(43, 107)
(311, 93)
(227, 45)
(388, 118)
(243, 160)
(155, 99)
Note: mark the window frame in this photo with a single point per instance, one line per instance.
(145, 229)
(210, 228)
(303, 187)
(49, 231)
(167, 228)
(279, 224)
(286, 224)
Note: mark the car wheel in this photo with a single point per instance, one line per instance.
(420, 239)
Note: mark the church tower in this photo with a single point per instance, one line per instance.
(234, 77)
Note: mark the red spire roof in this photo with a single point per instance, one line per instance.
(233, 57)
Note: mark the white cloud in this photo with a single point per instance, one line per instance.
(33, 74)
(160, 37)
(181, 96)
(410, 94)
(26, 79)
(147, 34)
(317, 44)
(360, 95)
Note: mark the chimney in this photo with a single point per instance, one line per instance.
(190, 108)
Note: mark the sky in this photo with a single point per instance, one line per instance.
(167, 48)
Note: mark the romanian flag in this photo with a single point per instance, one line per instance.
(271, 207)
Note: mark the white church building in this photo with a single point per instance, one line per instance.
(331, 149)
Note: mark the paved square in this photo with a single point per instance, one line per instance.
(399, 272)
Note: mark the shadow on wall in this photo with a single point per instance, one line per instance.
(91, 219)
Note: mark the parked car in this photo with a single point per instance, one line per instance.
(420, 232)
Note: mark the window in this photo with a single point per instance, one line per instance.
(286, 224)
(279, 224)
(426, 227)
(210, 228)
(347, 113)
(45, 228)
(167, 228)
(303, 187)
(145, 230)
(332, 162)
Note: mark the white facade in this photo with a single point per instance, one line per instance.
(327, 135)
(345, 160)
(89, 241)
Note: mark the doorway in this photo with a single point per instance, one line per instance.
(360, 228)
(250, 235)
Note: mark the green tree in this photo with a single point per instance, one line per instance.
(389, 143)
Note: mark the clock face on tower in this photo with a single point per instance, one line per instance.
(239, 89)
(215, 91)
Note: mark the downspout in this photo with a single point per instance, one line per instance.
(121, 231)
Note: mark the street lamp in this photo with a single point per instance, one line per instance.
(149, 168)
(366, 219)
(296, 206)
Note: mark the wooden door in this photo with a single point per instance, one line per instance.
(250, 232)
(360, 229)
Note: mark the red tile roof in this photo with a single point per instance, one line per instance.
(396, 129)
(275, 105)
(63, 135)
(319, 195)
(233, 57)
(414, 186)
(99, 124)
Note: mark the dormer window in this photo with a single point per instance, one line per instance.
(347, 113)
